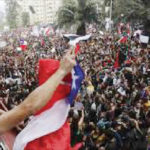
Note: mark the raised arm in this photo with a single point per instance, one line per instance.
(38, 98)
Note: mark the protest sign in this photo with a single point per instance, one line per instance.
(2, 44)
(144, 39)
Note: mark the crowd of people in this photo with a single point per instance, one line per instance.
(112, 109)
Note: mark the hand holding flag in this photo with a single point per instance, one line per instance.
(68, 62)
(49, 125)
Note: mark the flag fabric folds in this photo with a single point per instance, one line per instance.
(49, 129)
(80, 38)
(77, 77)
(75, 39)
(123, 39)
(77, 49)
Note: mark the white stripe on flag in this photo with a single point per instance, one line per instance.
(82, 38)
(47, 122)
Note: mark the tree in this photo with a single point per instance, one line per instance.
(79, 13)
(11, 11)
(133, 10)
(25, 18)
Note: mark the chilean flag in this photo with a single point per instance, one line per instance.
(23, 45)
(49, 128)
(77, 49)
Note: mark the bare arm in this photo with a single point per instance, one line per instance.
(2, 111)
(137, 125)
(81, 119)
(38, 98)
(3, 106)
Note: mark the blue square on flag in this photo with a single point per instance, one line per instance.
(77, 78)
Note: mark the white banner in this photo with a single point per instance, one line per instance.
(144, 39)
(81, 38)
(2, 44)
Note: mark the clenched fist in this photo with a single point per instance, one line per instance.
(68, 62)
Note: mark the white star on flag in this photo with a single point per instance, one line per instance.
(74, 78)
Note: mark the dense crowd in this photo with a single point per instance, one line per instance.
(112, 109)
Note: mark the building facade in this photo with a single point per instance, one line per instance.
(40, 11)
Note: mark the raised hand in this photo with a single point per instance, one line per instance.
(68, 62)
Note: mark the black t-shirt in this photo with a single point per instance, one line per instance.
(129, 77)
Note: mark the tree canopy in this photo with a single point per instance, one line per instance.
(11, 11)
(25, 18)
(77, 12)
(133, 10)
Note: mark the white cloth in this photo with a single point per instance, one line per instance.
(93, 107)
(116, 81)
(82, 38)
(121, 91)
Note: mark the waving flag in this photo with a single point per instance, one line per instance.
(123, 39)
(49, 129)
(23, 45)
(75, 39)
(77, 77)
(77, 49)
(78, 39)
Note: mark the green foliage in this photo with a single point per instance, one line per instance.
(77, 12)
(25, 18)
(133, 10)
(11, 10)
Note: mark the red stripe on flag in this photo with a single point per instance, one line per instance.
(47, 32)
(23, 47)
(59, 140)
(77, 49)
(124, 39)
(48, 67)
